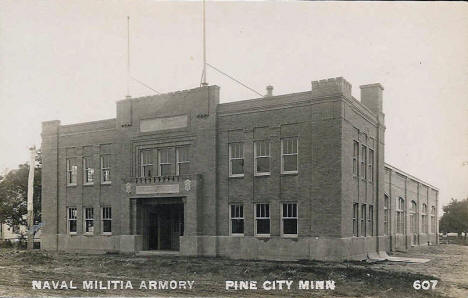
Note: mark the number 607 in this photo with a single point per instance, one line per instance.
(425, 284)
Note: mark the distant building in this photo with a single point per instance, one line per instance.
(295, 176)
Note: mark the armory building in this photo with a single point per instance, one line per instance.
(292, 176)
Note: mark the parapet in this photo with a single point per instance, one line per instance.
(331, 86)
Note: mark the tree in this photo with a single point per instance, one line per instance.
(455, 218)
(14, 195)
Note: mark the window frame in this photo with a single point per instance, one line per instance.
(178, 161)
(103, 219)
(363, 220)
(400, 217)
(86, 170)
(386, 214)
(241, 144)
(260, 218)
(424, 219)
(143, 165)
(363, 170)
(370, 165)
(289, 217)
(256, 156)
(168, 163)
(86, 219)
(433, 220)
(355, 219)
(370, 220)
(72, 171)
(355, 158)
(289, 154)
(104, 169)
(231, 218)
(69, 220)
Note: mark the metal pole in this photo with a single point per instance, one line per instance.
(30, 198)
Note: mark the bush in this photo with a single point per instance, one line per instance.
(6, 243)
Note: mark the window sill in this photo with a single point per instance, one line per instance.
(72, 185)
(237, 176)
(237, 235)
(262, 235)
(72, 233)
(88, 184)
(289, 235)
(262, 174)
(88, 234)
(106, 183)
(106, 234)
(292, 173)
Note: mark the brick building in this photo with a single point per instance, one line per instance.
(292, 176)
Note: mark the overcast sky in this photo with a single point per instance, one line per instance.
(67, 60)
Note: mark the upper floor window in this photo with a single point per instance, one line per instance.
(106, 220)
(289, 154)
(72, 217)
(355, 157)
(72, 171)
(106, 168)
(237, 219)
(363, 161)
(165, 161)
(146, 163)
(89, 220)
(236, 159)
(289, 219)
(183, 160)
(370, 172)
(262, 219)
(262, 158)
(88, 171)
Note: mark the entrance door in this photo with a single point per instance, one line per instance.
(164, 226)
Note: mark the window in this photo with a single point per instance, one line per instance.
(72, 218)
(386, 215)
(363, 220)
(433, 220)
(371, 220)
(262, 219)
(289, 219)
(262, 158)
(400, 216)
(183, 160)
(106, 220)
(105, 169)
(355, 157)
(370, 165)
(89, 220)
(236, 159)
(363, 161)
(237, 219)
(165, 165)
(289, 161)
(413, 218)
(355, 219)
(72, 171)
(146, 163)
(424, 218)
(88, 171)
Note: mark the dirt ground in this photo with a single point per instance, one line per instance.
(18, 269)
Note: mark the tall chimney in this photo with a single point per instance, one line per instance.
(269, 89)
(371, 97)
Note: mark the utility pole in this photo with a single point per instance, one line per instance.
(30, 198)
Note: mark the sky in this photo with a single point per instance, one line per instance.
(67, 60)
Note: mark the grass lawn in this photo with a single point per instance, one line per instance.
(448, 265)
